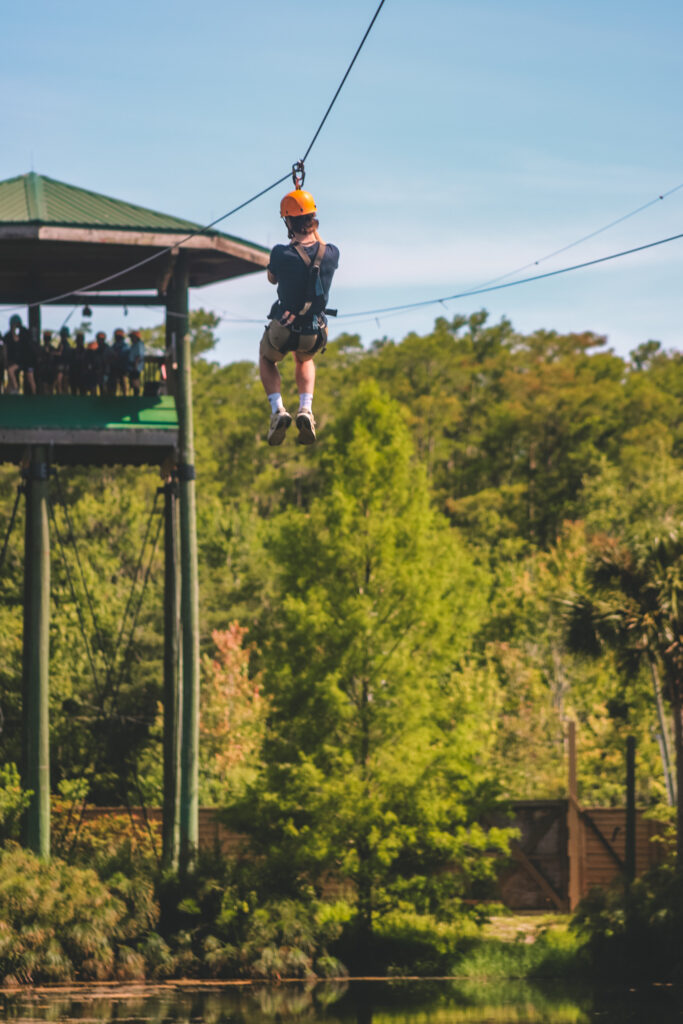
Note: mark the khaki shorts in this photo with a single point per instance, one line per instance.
(275, 338)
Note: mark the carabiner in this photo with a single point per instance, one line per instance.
(298, 174)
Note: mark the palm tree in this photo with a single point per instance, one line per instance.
(632, 601)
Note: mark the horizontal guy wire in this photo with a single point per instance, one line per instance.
(509, 284)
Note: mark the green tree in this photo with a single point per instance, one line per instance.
(202, 330)
(373, 767)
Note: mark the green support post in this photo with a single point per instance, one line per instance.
(189, 586)
(172, 663)
(35, 712)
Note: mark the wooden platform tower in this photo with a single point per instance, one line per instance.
(59, 245)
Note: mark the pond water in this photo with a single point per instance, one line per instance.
(369, 1002)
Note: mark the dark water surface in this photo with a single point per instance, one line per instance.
(376, 1002)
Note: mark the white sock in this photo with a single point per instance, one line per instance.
(305, 401)
(276, 404)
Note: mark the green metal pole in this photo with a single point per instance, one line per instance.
(171, 812)
(189, 586)
(36, 773)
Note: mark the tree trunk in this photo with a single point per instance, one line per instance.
(665, 741)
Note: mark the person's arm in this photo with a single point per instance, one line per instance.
(271, 276)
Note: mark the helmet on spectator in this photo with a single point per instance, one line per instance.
(15, 321)
(64, 332)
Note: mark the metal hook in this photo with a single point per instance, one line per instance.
(298, 174)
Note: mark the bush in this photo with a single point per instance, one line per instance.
(555, 954)
(404, 941)
(13, 802)
(636, 932)
(56, 922)
(219, 924)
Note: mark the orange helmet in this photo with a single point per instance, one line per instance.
(297, 203)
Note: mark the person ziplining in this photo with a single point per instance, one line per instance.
(303, 272)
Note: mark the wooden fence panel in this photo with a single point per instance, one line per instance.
(538, 875)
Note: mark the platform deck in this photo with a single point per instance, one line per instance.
(89, 430)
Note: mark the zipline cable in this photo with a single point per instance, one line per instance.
(101, 713)
(131, 635)
(77, 603)
(235, 319)
(136, 576)
(341, 84)
(72, 539)
(509, 284)
(218, 220)
(149, 259)
(584, 238)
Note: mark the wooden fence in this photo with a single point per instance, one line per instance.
(550, 869)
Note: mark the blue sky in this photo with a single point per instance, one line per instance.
(470, 139)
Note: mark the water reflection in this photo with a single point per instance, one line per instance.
(395, 1002)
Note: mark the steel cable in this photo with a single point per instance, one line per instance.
(509, 284)
(207, 227)
(10, 527)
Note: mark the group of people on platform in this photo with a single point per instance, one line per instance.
(63, 365)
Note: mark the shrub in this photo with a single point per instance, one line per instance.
(13, 802)
(554, 954)
(404, 940)
(636, 932)
(56, 922)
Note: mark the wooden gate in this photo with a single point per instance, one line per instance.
(538, 878)
(564, 850)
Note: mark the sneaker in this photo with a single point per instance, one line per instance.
(305, 424)
(279, 424)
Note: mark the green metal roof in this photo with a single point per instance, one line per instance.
(35, 199)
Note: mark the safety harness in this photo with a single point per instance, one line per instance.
(313, 290)
(315, 298)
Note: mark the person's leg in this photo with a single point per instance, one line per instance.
(280, 419)
(31, 381)
(270, 376)
(304, 372)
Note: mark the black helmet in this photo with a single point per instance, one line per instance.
(15, 321)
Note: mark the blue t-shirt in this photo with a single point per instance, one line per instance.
(292, 280)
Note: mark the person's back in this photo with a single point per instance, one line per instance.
(46, 370)
(118, 362)
(294, 282)
(95, 365)
(21, 355)
(136, 361)
(77, 365)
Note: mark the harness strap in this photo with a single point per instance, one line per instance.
(313, 265)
